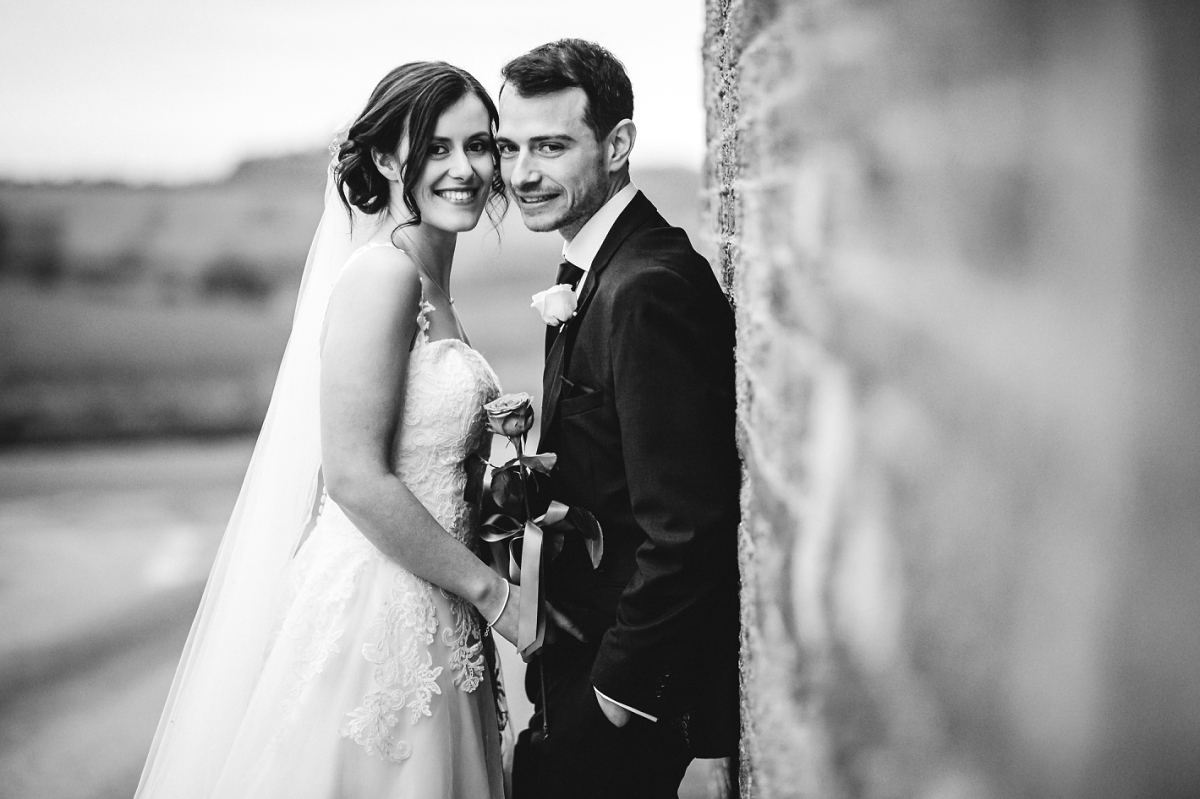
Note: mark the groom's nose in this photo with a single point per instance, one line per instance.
(523, 171)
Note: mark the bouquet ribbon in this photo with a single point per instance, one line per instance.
(531, 632)
(512, 543)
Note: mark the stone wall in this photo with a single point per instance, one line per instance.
(963, 238)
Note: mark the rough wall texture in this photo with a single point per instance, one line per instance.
(962, 238)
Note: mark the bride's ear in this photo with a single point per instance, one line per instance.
(388, 165)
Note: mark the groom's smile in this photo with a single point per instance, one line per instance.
(534, 199)
(538, 209)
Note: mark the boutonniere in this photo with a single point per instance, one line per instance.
(556, 304)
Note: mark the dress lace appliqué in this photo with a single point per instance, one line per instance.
(466, 645)
(404, 672)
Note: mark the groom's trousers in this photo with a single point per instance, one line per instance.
(572, 750)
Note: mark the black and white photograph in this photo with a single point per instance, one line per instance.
(696, 399)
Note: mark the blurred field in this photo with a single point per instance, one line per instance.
(128, 311)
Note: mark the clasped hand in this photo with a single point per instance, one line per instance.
(557, 622)
(509, 622)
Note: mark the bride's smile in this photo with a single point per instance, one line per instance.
(458, 196)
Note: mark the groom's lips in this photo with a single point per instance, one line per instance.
(535, 199)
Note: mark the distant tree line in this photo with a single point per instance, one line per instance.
(32, 250)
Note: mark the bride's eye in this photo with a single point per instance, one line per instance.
(437, 149)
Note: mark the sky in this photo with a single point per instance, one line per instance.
(167, 91)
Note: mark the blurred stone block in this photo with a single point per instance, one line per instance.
(962, 238)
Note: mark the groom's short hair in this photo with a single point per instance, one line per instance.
(571, 63)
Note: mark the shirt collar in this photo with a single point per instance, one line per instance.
(582, 249)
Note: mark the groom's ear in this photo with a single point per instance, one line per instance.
(619, 144)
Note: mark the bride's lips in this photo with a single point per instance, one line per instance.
(459, 196)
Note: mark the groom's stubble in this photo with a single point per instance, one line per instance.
(597, 181)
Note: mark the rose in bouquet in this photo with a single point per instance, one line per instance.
(511, 415)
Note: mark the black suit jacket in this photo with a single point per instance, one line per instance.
(639, 405)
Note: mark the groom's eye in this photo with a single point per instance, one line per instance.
(507, 149)
(550, 148)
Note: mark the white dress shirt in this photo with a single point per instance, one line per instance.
(581, 251)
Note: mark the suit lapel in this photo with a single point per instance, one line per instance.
(637, 213)
(552, 381)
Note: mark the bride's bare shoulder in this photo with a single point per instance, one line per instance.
(378, 262)
(379, 269)
(378, 282)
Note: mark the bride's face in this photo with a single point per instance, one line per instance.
(457, 176)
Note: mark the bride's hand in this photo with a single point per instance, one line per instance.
(507, 624)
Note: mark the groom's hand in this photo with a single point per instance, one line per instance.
(616, 714)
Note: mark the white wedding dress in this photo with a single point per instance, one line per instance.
(379, 685)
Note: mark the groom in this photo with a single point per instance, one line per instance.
(638, 404)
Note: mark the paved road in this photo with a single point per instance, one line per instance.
(103, 555)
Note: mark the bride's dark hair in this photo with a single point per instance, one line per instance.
(408, 101)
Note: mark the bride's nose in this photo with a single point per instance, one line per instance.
(460, 165)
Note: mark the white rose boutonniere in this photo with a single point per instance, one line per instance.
(556, 304)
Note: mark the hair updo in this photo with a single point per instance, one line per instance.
(408, 101)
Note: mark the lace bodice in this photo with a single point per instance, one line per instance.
(444, 425)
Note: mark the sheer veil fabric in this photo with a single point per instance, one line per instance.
(230, 636)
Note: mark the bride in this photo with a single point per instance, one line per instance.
(341, 648)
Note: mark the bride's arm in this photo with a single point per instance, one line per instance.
(364, 359)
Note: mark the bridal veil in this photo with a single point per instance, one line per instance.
(238, 613)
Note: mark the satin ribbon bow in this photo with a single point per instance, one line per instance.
(517, 554)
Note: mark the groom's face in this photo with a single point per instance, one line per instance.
(551, 161)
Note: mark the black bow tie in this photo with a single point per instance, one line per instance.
(569, 273)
